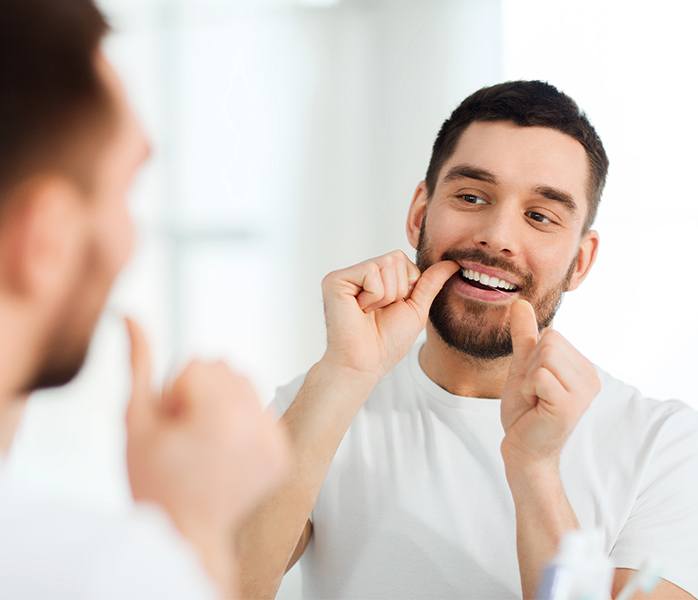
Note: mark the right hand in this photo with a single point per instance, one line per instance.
(203, 449)
(375, 310)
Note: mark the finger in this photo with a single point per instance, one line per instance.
(557, 363)
(524, 333)
(372, 290)
(544, 386)
(390, 283)
(430, 284)
(403, 284)
(140, 372)
(413, 275)
(560, 357)
(395, 281)
(553, 339)
(353, 279)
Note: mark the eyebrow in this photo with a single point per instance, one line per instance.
(557, 195)
(549, 192)
(469, 172)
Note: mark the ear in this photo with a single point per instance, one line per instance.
(43, 236)
(586, 257)
(417, 213)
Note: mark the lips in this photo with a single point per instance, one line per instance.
(476, 291)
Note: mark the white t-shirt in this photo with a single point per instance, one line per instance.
(416, 504)
(49, 550)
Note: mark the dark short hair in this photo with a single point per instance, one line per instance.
(527, 104)
(51, 94)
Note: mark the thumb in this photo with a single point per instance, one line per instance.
(141, 390)
(524, 332)
(430, 284)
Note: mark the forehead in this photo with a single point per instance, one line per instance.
(524, 157)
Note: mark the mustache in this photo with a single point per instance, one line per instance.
(497, 262)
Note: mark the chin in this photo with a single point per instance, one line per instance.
(59, 369)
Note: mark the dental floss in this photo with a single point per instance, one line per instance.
(645, 579)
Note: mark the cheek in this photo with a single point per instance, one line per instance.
(116, 235)
(445, 231)
(550, 264)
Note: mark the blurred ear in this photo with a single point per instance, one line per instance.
(586, 257)
(417, 213)
(41, 236)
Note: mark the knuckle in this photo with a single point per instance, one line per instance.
(398, 255)
(373, 269)
(328, 279)
(595, 382)
(189, 370)
(388, 260)
(550, 336)
(540, 376)
(547, 353)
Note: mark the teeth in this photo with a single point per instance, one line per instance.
(485, 279)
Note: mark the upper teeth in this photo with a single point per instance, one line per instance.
(485, 279)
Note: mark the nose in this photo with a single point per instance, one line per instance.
(497, 232)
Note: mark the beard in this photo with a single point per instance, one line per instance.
(475, 328)
(64, 357)
(67, 343)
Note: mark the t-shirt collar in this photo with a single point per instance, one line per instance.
(436, 392)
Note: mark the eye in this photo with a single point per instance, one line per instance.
(538, 217)
(472, 199)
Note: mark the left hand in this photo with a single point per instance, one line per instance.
(549, 387)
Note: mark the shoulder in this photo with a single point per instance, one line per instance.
(85, 553)
(145, 551)
(622, 409)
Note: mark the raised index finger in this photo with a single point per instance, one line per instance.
(141, 390)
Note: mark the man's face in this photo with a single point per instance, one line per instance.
(509, 204)
(105, 246)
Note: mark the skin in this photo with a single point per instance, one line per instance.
(203, 448)
(521, 199)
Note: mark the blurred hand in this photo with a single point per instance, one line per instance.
(550, 386)
(375, 310)
(203, 449)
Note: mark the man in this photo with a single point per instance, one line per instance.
(451, 468)
(202, 450)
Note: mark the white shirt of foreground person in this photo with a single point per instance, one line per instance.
(51, 550)
(416, 503)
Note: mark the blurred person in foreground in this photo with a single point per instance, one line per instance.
(203, 450)
(452, 467)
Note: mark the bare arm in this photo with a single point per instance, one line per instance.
(543, 516)
(277, 533)
(373, 313)
(665, 590)
(301, 546)
(190, 450)
(550, 386)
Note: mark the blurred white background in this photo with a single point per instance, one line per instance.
(289, 137)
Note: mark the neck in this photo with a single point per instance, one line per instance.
(460, 374)
(11, 412)
(15, 368)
